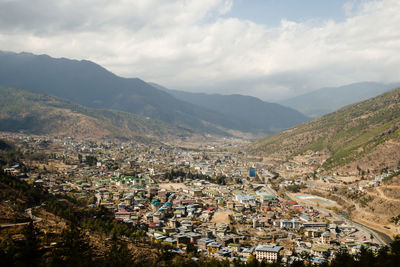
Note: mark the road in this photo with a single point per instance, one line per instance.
(379, 237)
(27, 211)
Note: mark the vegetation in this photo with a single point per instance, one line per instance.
(73, 247)
(295, 188)
(346, 135)
(390, 177)
(52, 115)
(9, 155)
(174, 174)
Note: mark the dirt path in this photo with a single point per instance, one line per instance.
(382, 195)
(392, 186)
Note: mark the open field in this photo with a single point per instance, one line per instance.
(315, 200)
(221, 217)
(174, 186)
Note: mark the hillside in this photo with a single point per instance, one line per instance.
(363, 135)
(35, 113)
(250, 113)
(327, 100)
(88, 84)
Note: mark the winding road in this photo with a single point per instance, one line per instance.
(27, 211)
(379, 237)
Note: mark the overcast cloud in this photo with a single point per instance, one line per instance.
(195, 45)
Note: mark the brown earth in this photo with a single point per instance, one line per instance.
(220, 217)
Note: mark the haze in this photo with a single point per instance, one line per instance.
(270, 49)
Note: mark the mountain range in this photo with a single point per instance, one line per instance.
(90, 85)
(326, 100)
(364, 135)
(253, 114)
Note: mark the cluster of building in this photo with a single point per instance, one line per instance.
(241, 218)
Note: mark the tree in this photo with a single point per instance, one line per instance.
(118, 255)
(7, 252)
(30, 251)
(252, 261)
(91, 160)
(343, 259)
(76, 250)
(191, 249)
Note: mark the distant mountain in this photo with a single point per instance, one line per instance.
(366, 134)
(326, 100)
(250, 113)
(36, 113)
(86, 83)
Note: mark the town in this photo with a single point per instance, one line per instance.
(210, 198)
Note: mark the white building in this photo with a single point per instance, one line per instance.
(267, 252)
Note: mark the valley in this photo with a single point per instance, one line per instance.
(202, 193)
(165, 175)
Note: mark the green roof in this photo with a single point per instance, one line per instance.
(156, 203)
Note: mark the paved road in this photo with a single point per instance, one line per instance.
(383, 238)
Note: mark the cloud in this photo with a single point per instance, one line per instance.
(189, 44)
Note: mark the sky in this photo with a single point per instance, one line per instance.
(272, 49)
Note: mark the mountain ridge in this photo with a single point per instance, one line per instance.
(254, 114)
(88, 84)
(365, 134)
(329, 99)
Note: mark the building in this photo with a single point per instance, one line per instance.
(203, 242)
(213, 247)
(244, 199)
(267, 252)
(290, 224)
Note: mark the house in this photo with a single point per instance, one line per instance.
(213, 247)
(315, 225)
(123, 214)
(224, 252)
(170, 241)
(267, 252)
(312, 233)
(325, 238)
(181, 238)
(321, 251)
(196, 192)
(289, 224)
(244, 199)
(247, 252)
(234, 247)
(203, 242)
(193, 237)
